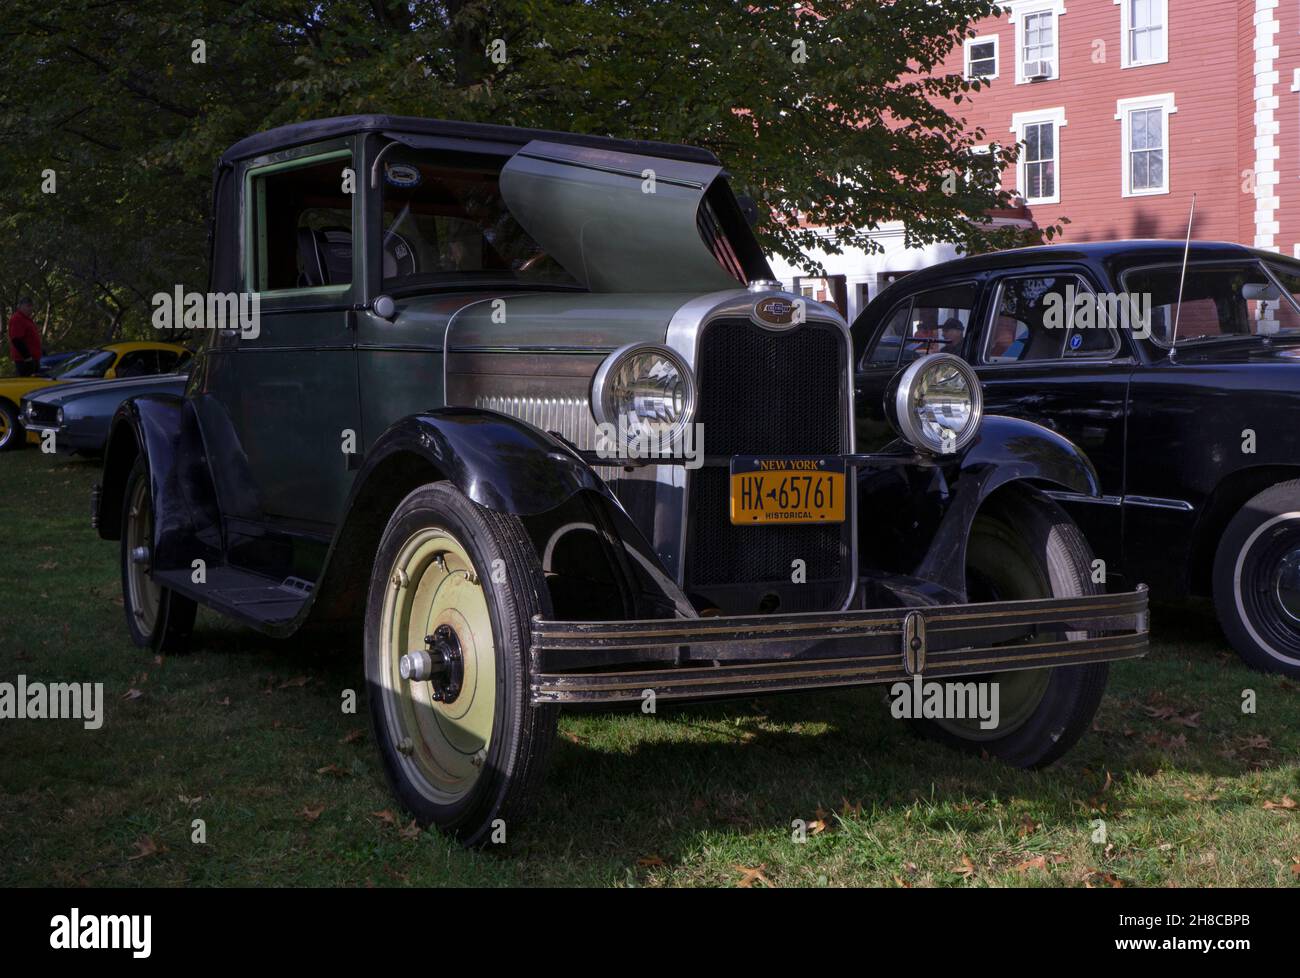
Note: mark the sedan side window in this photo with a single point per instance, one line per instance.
(1048, 317)
(885, 350)
(938, 321)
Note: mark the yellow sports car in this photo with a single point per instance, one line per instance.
(113, 360)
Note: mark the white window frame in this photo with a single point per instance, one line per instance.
(1126, 49)
(1020, 9)
(1019, 121)
(997, 57)
(1123, 107)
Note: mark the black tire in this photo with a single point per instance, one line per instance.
(496, 587)
(164, 626)
(1257, 580)
(1022, 547)
(12, 433)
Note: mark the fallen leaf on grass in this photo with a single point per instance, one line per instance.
(333, 770)
(412, 831)
(294, 682)
(1040, 862)
(1295, 869)
(145, 847)
(385, 816)
(751, 876)
(649, 862)
(132, 694)
(225, 702)
(353, 736)
(1165, 742)
(1096, 877)
(311, 814)
(186, 800)
(1286, 804)
(966, 870)
(1027, 827)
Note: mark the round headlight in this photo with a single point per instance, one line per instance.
(937, 403)
(643, 388)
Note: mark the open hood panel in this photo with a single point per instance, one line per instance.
(590, 209)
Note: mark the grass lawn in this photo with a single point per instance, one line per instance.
(247, 734)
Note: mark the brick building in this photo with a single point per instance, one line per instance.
(1123, 109)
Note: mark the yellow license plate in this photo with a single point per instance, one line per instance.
(787, 489)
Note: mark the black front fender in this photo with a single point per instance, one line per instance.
(916, 520)
(508, 466)
(501, 463)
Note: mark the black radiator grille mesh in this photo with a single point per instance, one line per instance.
(764, 392)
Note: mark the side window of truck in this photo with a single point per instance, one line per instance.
(300, 229)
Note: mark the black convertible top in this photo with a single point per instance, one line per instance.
(316, 130)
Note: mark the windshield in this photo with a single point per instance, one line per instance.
(445, 222)
(89, 365)
(1219, 300)
(68, 364)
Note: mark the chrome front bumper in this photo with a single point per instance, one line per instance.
(755, 654)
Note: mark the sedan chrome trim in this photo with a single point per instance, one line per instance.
(1155, 502)
(1078, 497)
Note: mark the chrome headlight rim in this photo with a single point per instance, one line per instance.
(904, 416)
(601, 403)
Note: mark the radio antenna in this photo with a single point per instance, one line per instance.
(1182, 278)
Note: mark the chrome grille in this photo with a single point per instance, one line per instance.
(41, 414)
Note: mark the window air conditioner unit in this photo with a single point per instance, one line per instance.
(1038, 70)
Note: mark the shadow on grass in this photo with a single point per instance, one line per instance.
(622, 782)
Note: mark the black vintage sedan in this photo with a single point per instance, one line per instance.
(1194, 430)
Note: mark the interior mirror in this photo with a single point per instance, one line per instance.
(1265, 291)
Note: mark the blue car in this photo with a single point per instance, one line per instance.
(79, 414)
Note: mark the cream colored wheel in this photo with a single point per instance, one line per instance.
(143, 595)
(439, 665)
(448, 631)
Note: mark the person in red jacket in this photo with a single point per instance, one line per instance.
(24, 339)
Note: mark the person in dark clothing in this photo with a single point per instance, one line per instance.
(24, 339)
